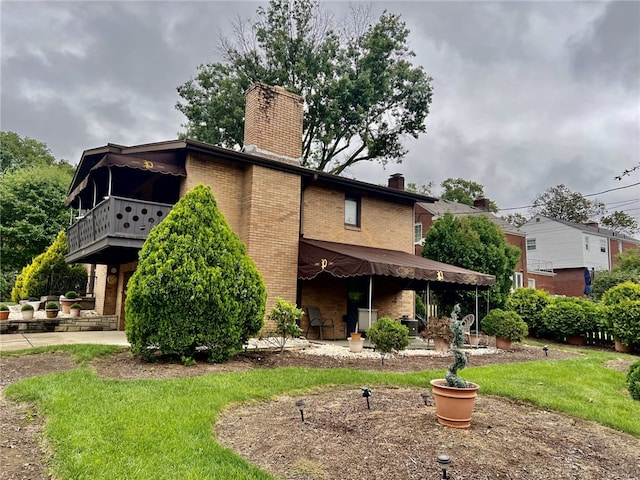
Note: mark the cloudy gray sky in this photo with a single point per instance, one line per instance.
(527, 95)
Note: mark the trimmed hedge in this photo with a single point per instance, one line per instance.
(505, 324)
(633, 380)
(388, 335)
(529, 304)
(195, 285)
(571, 316)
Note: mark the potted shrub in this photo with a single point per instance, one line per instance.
(27, 311)
(507, 326)
(74, 309)
(570, 318)
(388, 335)
(4, 311)
(67, 300)
(621, 315)
(455, 397)
(439, 330)
(51, 309)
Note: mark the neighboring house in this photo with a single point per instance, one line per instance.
(573, 247)
(526, 274)
(318, 239)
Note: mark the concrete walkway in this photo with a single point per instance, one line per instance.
(19, 341)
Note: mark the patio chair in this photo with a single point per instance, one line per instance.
(316, 320)
(466, 323)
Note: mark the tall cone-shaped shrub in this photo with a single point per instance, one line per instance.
(195, 285)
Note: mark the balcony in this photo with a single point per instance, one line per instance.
(113, 232)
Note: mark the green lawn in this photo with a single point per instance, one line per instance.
(162, 429)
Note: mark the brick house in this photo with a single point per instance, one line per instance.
(536, 274)
(295, 222)
(573, 247)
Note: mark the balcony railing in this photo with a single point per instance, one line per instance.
(116, 221)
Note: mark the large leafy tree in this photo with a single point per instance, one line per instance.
(461, 190)
(561, 203)
(362, 93)
(18, 152)
(620, 222)
(32, 211)
(195, 285)
(476, 243)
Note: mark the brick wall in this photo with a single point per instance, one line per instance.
(383, 224)
(569, 282)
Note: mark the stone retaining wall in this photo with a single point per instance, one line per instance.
(61, 324)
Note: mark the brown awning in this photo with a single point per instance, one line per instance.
(342, 260)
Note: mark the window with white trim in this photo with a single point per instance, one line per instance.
(516, 281)
(352, 211)
(531, 244)
(417, 233)
(531, 282)
(586, 243)
(603, 245)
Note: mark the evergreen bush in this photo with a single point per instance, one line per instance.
(571, 316)
(529, 304)
(388, 335)
(633, 380)
(505, 324)
(35, 277)
(195, 285)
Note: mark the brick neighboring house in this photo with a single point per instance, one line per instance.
(572, 247)
(318, 239)
(537, 274)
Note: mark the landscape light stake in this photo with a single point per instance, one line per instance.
(444, 461)
(546, 350)
(425, 396)
(366, 393)
(300, 404)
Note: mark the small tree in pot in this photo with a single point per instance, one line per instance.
(439, 330)
(51, 309)
(388, 335)
(504, 324)
(4, 311)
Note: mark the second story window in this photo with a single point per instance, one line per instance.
(352, 211)
(586, 243)
(603, 245)
(417, 232)
(531, 243)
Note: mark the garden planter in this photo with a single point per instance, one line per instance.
(503, 343)
(51, 313)
(355, 336)
(440, 345)
(65, 304)
(27, 314)
(622, 348)
(576, 340)
(454, 406)
(4, 314)
(355, 345)
(75, 312)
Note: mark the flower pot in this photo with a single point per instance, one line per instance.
(4, 314)
(440, 345)
(27, 314)
(503, 343)
(355, 345)
(65, 304)
(355, 336)
(454, 406)
(622, 348)
(51, 313)
(75, 312)
(578, 340)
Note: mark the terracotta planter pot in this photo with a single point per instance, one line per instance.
(51, 313)
(622, 348)
(65, 304)
(454, 406)
(4, 314)
(503, 343)
(440, 345)
(576, 340)
(355, 336)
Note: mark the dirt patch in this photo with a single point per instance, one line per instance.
(397, 439)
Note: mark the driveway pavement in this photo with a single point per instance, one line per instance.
(19, 341)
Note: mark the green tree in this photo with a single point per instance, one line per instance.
(49, 273)
(515, 219)
(17, 152)
(620, 222)
(32, 211)
(195, 285)
(476, 243)
(561, 203)
(627, 269)
(362, 94)
(529, 304)
(424, 189)
(464, 191)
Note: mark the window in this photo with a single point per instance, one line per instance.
(517, 281)
(531, 283)
(586, 243)
(603, 245)
(352, 211)
(531, 243)
(417, 233)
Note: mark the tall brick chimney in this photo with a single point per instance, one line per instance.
(273, 123)
(396, 181)
(482, 203)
